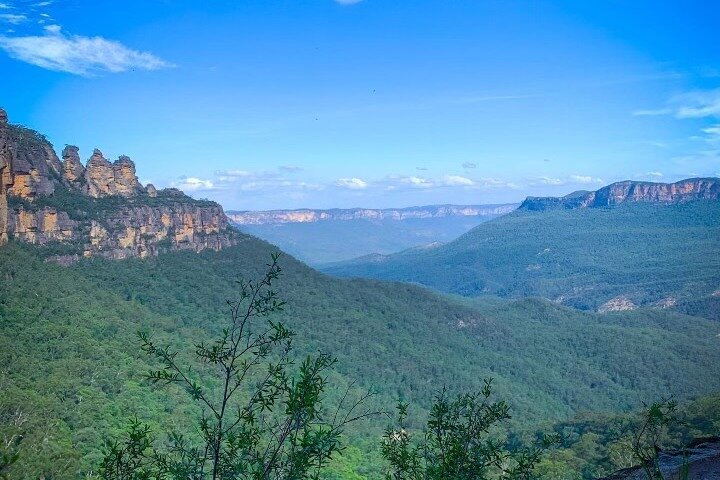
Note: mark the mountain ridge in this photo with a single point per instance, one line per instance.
(628, 256)
(309, 215)
(95, 209)
(699, 188)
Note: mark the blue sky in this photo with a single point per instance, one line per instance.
(381, 103)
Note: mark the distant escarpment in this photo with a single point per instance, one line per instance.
(631, 191)
(339, 214)
(95, 209)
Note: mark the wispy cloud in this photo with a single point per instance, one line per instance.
(569, 180)
(695, 104)
(193, 184)
(698, 104)
(412, 180)
(549, 181)
(291, 168)
(457, 180)
(469, 165)
(13, 18)
(652, 112)
(78, 54)
(353, 183)
(712, 133)
(586, 179)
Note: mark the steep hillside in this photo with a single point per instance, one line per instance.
(633, 254)
(97, 209)
(632, 192)
(73, 371)
(323, 236)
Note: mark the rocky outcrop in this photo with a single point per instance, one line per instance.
(27, 162)
(145, 231)
(337, 214)
(701, 458)
(617, 304)
(630, 191)
(84, 218)
(42, 226)
(73, 169)
(104, 179)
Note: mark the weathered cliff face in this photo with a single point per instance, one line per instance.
(73, 169)
(104, 179)
(629, 191)
(143, 231)
(701, 458)
(98, 209)
(310, 216)
(27, 162)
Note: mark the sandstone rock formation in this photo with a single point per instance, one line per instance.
(83, 218)
(27, 162)
(617, 304)
(629, 191)
(702, 457)
(73, 169)
(104, 179)
(151, 190)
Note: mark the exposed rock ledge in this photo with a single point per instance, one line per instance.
(97, 209)
(702, 457)
(631, 191)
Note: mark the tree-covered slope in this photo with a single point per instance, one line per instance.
(72, 371)
(643, 253)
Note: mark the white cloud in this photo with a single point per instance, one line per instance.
(457, 180)
(352, 183)
(585, 179)
(5, 6)
(77, 54)
(698, 104)
(193, 184)
(496, 183)
(571, 179)
(712, 132)
(654, 174)
(469, 165)
(12, 18)
(416, 181)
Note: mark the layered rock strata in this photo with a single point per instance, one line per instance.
(96, 209)
(630, 191)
